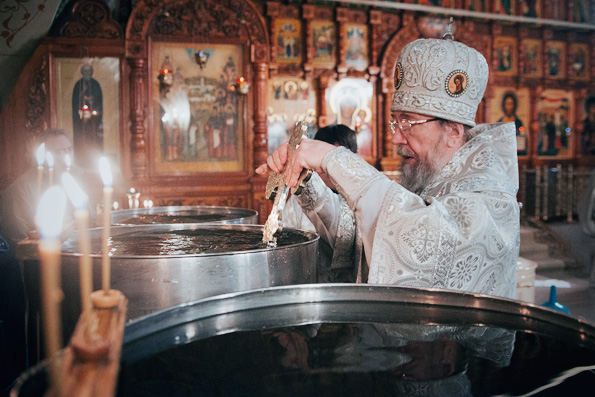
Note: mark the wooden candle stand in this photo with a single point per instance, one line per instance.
(91, 361)
(102, 299)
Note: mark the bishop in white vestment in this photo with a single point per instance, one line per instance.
(453, 221)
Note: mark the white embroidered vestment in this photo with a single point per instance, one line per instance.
(462, 232)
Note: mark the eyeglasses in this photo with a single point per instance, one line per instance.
(405, 125)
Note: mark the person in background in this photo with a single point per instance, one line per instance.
(87, 117)
(17, 218)
(452, 221)
(18, 203)
(334, 264)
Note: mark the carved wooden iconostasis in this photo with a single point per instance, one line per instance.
(193, 95)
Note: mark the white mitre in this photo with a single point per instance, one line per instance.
(440, 78)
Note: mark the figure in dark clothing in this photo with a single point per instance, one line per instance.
(87, 118)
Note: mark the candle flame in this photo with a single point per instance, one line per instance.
(146, 203)
(67, 160)
(132, 191)
(50, 212)
(49, 157)
(150, 203)
(105, 171)
(40, 155)
(76, 195)
(115, 205)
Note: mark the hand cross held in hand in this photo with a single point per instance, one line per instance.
(277, 189)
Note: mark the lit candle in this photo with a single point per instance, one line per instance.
(131, 194)
(150, 203)
(106, 176)
(49, 158)
(146, 203)
(81, 215)
(40, 157)
(50, 214)
(115, 206)
(68, 162)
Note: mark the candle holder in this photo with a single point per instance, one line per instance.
(103, 299)
(86, 342)
(133, 198)
(241, 86)
(201, 58)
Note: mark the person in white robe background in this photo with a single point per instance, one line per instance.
(453, 221)
(339, 252)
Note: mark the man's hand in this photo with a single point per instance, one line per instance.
(308, 156)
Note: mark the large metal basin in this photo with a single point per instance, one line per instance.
(185, 214)
(155, 278)
(346, 339)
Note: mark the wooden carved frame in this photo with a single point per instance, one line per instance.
(505, 56)
(555, 113)
(103, 119)
(198, 114)
(228, 21)
(555, 59)
(324, 43)
(579, 59)
(288, 44)
(521, 114)
(532, 58)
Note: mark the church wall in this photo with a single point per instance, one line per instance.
(317, 62)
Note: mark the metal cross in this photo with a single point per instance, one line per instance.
(448, 35)
(278, 191)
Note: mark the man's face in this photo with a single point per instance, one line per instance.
(421, 151)
(59, 146)
(87, 72)
(509, 106)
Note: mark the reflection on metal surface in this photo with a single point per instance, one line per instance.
(184, 214)
(356, 340)
(152, 281)
(346, 339)
(186, 242)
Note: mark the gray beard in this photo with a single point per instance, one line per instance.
(415, 177)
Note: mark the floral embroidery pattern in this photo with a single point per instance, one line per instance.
(484, 159)
(423, 70)
(426, 243)
(489, 285)
(16, 15)
(463, 271)
(481, 71)
(462, 210)
(422, 239)
(461, 55)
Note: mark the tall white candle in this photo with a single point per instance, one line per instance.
(50, 215)
(131, 194)
(81, 215)
(40, 158)
(49, 158)
(68, 162)
(106, 176)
